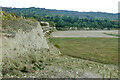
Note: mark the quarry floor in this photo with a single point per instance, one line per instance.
(82, 33)
(96, 70)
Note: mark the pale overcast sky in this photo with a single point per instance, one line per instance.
(110, 6)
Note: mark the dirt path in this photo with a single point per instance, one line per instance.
(84, 33)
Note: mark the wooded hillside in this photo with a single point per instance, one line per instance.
(64, 19)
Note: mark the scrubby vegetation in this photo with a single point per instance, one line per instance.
(27, 63)
(65, 20)
(8, 16)
(112, 34)
(56, 45)
(11, 23)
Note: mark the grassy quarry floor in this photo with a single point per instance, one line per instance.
(79, 67)
(93, 52)
(103, 50)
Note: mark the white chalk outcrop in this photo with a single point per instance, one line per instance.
(23, 41)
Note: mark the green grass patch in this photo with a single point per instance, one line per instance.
(102, 50)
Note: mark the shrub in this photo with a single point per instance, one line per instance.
(24, 69)
(56, 45)
(8, 16)
(31, 18)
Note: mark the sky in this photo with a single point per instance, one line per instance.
(109, 6)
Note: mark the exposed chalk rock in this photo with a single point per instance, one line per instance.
(23, 41)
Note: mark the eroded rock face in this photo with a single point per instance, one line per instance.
(22, 47)
(25, 40)
(44, 23)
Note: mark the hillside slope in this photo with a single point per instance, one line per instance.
(67, 20)
(52, 12)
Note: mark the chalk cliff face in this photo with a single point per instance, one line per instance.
(26, 40)
(23, 41)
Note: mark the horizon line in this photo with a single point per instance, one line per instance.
(62, 10)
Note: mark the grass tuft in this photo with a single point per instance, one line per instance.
(24, 69)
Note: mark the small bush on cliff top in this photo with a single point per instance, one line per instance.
(8, 16)
(32, 19)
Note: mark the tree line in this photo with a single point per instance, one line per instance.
(62, 21)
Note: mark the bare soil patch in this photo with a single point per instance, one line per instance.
(85, 33)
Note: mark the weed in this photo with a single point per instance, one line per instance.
(11, 69)
(111, 34)
(110, 75)
(39, 66)
(27, 57)
(35, 56)
(56, 45)
(24, 69)
(14, 72)
(33, 61)
(15, 62)
(103, 75)
(48, 33)
(34, 68)
(14, 49)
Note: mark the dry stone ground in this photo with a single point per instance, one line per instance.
(84, 33)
